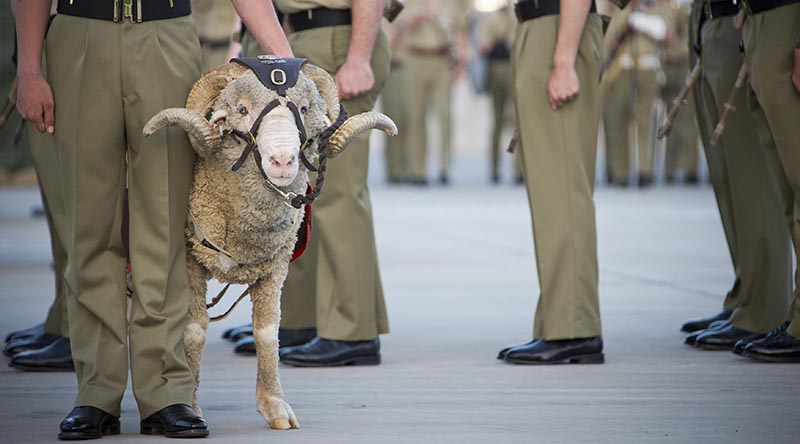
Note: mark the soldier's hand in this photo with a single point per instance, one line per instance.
(796, 72)
(354, 78)
(563, 86)
(35, 103)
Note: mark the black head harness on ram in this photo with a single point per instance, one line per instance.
(280, 74)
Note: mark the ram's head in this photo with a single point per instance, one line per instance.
(229, 98)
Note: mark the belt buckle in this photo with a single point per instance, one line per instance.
(126, 11)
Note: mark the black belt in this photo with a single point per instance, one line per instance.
(499, 51)
(529, 9)
(757, 6)
(714, 10)
(119, 10)
(319, 17)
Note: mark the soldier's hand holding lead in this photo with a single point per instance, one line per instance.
(35, 102)
(563, 86)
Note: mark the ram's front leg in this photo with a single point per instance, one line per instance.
(194, 337)
(266, 319)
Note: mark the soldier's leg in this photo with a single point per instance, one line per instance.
(418, 84)
(162, 60)
(442, 92)
(348, 287)
(558, 151)
(771, 46)
(393, 97)
(89, 140)
(495, 87)
(616, 115)
(646, 91)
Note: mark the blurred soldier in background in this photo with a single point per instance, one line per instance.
(681, 152)
(773, 48)
(216, 20)
(393, 100)
(496, 35)
(433, 35)
(46, 346)
(630, 85)
(747, 196)
(16, 164)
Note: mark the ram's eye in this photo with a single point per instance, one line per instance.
(303, 109)
(242, 110)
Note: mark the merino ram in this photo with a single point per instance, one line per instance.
(241, 229)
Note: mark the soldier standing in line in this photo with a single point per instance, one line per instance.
(496, 35)
(557, 62)
(215, 23)
(136, 58)
(772, 34)
(630, 86)
(432, 33)
(46, 346)
(747, 197)
(332, 305)
(681, 152)
(393, 99)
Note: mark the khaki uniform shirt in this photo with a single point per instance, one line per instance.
(638, 50)
(448, 18)
(497, 27)
(292, 6)
(215, 19)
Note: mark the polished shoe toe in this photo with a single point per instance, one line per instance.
(31, 343)
(175, 421)
(320, 352)
(691, 339)
(241, 332)
(504, 352)
(245, 346)
(781, 348)
(699, 324)
(55, 357)
(25, 333)
(226, 334)
(569, 351)
(87, 422)
(724, 338)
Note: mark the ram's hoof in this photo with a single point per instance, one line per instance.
(277, 413)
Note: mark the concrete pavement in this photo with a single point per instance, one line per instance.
(458, 268)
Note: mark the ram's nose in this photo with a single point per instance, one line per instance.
(282, 160)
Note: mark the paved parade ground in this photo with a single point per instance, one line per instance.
(458, 272)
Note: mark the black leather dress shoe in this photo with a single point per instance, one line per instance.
(321, 352)
(740, 346)
(87, 422)
(31, 343)
(504, 352)
(691, 339)
(175, 421)
(286, 337)
(226, 334)
(25, 333)
(778, 348)
(240, 332)
(53, 358)
(570, 351)
(693, 325)
(724, 338)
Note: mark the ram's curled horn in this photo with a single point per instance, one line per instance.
(206, 136)
(356, 125)
(326, 87)
(205, 91)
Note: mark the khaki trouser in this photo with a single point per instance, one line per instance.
(559, 150)
(681, 147)
(109, 79)
(393, 100)
(776, 106)
(499, 83)
(746, 195)
(336, 284)
(630, 98)
(429, 83)
(47, 169)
